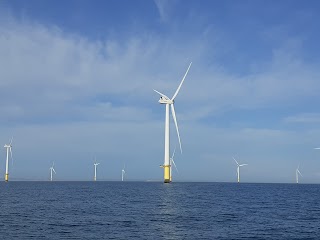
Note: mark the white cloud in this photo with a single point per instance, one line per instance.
(44, 67)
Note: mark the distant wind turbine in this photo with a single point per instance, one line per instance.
(95, 170)
(238, 168)
(297, 174)
(51, 171)
(170, 103)
(172, 162)
(8, 147)
(122, 173)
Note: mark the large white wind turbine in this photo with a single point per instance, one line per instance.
(95, 170)
(122, 173)
(238, 168)
(170, 102)
(8, 147)
(297, 174)
(51, 171)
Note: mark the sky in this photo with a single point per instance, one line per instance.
(77, 80)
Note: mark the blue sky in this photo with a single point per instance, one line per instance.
(77, 82)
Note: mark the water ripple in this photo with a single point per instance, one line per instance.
(133, 210)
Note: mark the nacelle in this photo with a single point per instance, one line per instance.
(162, 100)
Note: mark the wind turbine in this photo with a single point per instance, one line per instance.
(172, 161)
(170, 102)
(238, 168)
(297, 174)
(95, 170)
(8, 147)
(123, 172)
(52, 170)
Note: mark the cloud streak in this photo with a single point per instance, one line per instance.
(304, 118)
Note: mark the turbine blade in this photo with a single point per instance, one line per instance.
(166, 97)
(53, 170)
(243, 165)
(11, 156)
(178, 89)
(11, 140)
(173, 152)
(174, 165)
(175, 122)
(299, 172)
(235, 161)
(317, 148)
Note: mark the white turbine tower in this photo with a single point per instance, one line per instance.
(172, 162)
(170, 102)
(8, 147)
(297, 174)
(122, 173)
(238, 168)
(51, 171)
(95, 170)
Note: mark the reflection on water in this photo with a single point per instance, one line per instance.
(169, 210)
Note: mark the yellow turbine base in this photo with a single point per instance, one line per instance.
(166, 169)
(6, 177)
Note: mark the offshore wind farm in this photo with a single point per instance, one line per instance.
(237, 83)
(168, 161)
(249, 106)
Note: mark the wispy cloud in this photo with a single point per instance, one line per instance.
(305, 118)
(165, 8)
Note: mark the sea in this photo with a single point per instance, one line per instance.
(154, 210)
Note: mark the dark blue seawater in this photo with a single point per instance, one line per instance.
(153, 210)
